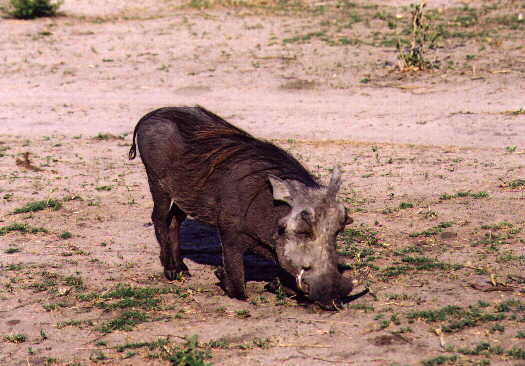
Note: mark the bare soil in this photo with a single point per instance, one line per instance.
(433, 162)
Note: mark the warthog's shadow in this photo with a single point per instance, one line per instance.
(200, 243)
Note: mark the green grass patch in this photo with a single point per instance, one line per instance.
(492, 240)
(21, 228)
(440, 360)
(458, 318)
(65, 235)
(486, 349)
(130, 303)
(50, 280)
(124, 290)
(190, 354)
(408, 250)
(74, 281)
(125, 321)
(498, 226)
(12, 250)
(358, 243)
(107, 136)
(514, 184)
(16, 338)
(463, 194)
(360, 234)
(104, 188)
(433, 230)
(413, 264)
(74, 323)
(39, 206)
(150, 345)
(124, 296)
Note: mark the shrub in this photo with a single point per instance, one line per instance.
(30, 9)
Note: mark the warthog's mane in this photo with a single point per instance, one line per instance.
(212, 142)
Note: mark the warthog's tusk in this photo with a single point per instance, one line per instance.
(299, 280)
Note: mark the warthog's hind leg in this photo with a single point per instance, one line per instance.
(166, 218)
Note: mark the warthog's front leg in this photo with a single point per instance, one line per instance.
(233, 260)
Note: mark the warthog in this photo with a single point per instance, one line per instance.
(258, 196)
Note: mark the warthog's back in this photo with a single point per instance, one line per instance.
(210, 142)
(198, 156)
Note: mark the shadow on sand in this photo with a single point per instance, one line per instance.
(200, 243)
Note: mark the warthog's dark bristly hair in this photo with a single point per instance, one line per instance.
(212, 146)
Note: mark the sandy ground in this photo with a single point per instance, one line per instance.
(72, 89)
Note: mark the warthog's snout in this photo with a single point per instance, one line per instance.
(326, 290)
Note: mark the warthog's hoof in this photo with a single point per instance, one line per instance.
(173, 275)
(219, 273)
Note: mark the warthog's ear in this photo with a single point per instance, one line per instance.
(335, 182)
(282, 191)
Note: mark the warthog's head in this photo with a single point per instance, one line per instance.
(306, 238)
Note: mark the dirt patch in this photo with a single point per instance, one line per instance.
(433, 165)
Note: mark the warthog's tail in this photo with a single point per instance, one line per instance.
(133, 151)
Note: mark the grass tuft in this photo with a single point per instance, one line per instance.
(191, 354)
(16, 338)
(433, 230)
(39, 206)
(124, 321)
(22, 228)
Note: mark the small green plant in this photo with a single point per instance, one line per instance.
(199, 4)
(440, 360)
(517, 112)
(511, 149)
(16, 338)
(150, 345)
(405, 205)
(104, 188)
(462, 194)
(514, 184)
(423, 37)
(497, 328)
(107, 136)
(8, 197)
(365, 307)
(124, 321)
(39, 206)
(191, 354)
(98, 356)
(30, 9)
(74, 323)
(433, 230)
(12, 250)
(243, 314)
(65, 235)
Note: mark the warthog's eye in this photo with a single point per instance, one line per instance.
(281, 230)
